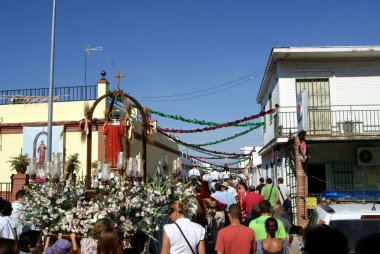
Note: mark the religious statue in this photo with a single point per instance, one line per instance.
(114, 131)
(41, 151)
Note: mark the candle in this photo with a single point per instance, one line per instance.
(139, 167)
(174, 170)
(158, 168)
(164, 160)
(179, 165)
(105, 176)
(129, 166)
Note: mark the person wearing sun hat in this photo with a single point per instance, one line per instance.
(230, 200)
(61, 246)
(225, 185)
(230, 197)
(214, 215)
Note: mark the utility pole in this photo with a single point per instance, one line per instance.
(51, 85)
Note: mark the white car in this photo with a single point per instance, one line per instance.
(355, 220)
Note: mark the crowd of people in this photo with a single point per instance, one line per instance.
(230, 218)
(233, 218)
(236, 218)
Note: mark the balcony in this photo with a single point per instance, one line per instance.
(41, 95)
(339, 121)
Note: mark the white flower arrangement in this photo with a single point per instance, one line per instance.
(132, 206)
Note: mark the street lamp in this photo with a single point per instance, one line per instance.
(51, 86)
(87, 51)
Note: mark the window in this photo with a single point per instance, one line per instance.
(339, 176)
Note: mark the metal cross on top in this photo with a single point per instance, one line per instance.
(118, 76)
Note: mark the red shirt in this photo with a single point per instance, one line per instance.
(251, 199)
(235, 240)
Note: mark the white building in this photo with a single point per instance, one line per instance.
(255, 170)
(343, 86)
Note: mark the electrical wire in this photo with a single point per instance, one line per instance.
(249, 76)
(202, 95)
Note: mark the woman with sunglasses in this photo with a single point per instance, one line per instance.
(182, 236)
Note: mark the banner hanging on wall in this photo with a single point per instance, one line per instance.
(35, 142)
(302, 111)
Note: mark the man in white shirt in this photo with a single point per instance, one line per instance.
(284, 190)
(194, 174)
(16, 205)
(225, 174)
(206, 177)
(283, 194)
(214, 175)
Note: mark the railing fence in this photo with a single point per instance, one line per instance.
(342, 120)
(5, 190)
(38, 95)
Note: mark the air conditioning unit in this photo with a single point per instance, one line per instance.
(368, 156)
(349, 127)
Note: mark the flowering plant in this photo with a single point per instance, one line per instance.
(55, 207)
(48, 202)
(185, 194)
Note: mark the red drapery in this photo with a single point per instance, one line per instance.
(114, 134)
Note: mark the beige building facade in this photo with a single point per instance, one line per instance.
(18, 110)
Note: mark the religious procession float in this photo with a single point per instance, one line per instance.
(60, 203)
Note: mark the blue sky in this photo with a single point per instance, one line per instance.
(171, 47)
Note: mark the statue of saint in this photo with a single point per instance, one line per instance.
(114, 131)
(41, 151)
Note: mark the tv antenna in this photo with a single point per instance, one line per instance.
(87, 51)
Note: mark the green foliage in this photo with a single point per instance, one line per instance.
(73, 164)
(94, 164)
(19, 163)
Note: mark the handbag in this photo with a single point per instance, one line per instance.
(192, 251)
(270, 193)
(287, 204)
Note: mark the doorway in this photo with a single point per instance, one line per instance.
(319, 104)
(316, 179)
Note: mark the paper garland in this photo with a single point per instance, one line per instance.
(230, 137)
(235, 155)
(200, 122)
(215, 127)
(195, 121)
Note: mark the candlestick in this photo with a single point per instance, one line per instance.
(129, 167)
(174, 169)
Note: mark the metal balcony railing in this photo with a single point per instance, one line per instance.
(5, 190)
(340, 120)
(40, 95)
